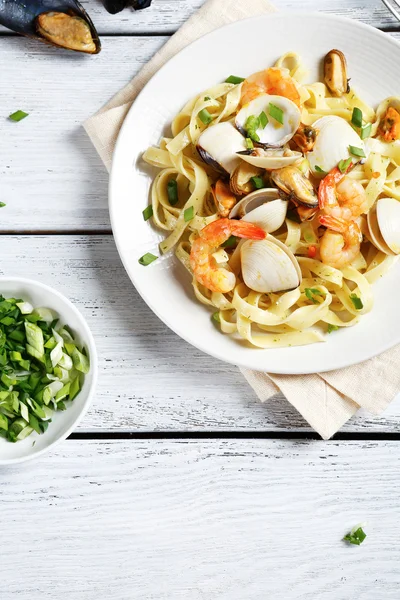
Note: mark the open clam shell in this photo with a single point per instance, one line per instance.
(218, 146)
(262, 207)
(62, 23)
(269, 266)
(271, 159)
(384, 225)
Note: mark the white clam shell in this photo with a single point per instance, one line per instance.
(218, 146)
(273, 159)
(262, 207)
(384, 225)
(269, 266)
(274, 133)
(334, 137)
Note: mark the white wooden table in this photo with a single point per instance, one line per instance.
(167, 490)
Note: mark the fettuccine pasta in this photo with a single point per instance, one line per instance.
(281, 199)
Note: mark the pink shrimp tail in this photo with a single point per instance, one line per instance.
(243, 229)
(333, 223)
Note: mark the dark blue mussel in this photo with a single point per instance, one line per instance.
(115, 6)
(63, 23)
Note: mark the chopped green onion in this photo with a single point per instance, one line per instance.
(206, 98)
(262, 117)
(234, 79)
(357, 117)
(172, 192)
(147, 213)
(251, 126)
(358, 305)
(332, 328)
(230, 242)
(216, 317)
(343, 165)
(18, 115)
(276, 113)
(249, 144)
(319, 170)
(35, 372)
(258, 182)
(366, 131)
(357, 151)
(188, 214)
(205, 116)
(356, 536)
(311, 293)
(144, 260)
(2, 204)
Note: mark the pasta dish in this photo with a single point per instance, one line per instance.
(281, 199)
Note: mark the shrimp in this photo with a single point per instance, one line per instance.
(389, 127)
(213, 235)
(270, 81)
(223, 197)
(342, 197)
(340, 243)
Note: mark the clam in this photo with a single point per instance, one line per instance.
(388, 119)
(269, 266)
(335, 73)
(240, 181)
(62, 23)
(296, 187)
(218, 146)
(275, 133)
(262, 207)
(273, 158)
(384, 225)
(335, 135)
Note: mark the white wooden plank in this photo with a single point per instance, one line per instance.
(150, 380)
(51, 177)
(201, 520)
(165, 16)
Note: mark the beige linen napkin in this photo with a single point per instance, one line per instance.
(325, 400)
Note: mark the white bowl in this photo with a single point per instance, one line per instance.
(63, 422)
(242, 48)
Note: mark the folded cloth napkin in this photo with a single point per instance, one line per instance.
(325, 400)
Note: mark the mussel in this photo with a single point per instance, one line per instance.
(62, 23)
(295, 186)
(240, 181)
(335, 73)
(115, 6)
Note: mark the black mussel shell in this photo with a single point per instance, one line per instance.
(51, 21)
(115, 6)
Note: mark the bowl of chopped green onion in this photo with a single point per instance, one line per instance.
(48, 368)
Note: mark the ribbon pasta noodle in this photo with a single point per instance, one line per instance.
(334, 232)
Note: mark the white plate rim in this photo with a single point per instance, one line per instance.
(336, 363)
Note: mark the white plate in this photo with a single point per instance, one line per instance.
(240, 49)
(63, 422)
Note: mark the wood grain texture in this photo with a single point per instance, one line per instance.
(165, 16)
(150, 380)
(202, 520)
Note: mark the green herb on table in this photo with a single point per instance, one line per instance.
(356, 536)
(234, 79)
(18, 115)
(357, 302)
(41, 368)
(2, 204)
(172, 192)
(276, 113)
(147, 259)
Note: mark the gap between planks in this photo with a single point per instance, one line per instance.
(238, 435)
